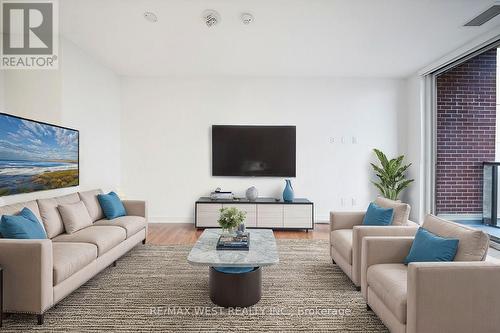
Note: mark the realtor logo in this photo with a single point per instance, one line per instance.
(29, 38)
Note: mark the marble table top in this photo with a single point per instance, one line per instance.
(262, 251)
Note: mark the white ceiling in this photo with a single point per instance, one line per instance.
(388, 38)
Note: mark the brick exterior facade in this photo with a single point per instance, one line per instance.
(466, 121)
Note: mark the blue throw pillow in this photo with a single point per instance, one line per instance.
(28, 214)
(111, 205)
(23, 226)
(430, 247)
(376, 215)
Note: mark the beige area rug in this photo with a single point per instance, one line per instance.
(153, 288)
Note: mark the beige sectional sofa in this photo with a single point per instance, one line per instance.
(40, 273)
(432, 297)
(347, 232)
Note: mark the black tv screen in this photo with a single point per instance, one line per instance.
(267, 151)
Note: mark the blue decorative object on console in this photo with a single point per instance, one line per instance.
(234, 270)
(23, 226)
(111, 205)
(376, 215)
(428, 247)
(288, 194)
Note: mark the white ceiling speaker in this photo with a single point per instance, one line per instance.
(150, 16)
(247, 18)
(210, 17)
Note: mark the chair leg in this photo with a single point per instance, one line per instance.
(114, 263)
(144, 241)
(333, 261)
(40, 319)
(368, 308)
(358, 288)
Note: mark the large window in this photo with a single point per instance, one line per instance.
(465, 122)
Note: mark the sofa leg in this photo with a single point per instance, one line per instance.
(40, 319)
(333, 261)
(144, 241)
(368, 308)
(114, 263)
(358, 288)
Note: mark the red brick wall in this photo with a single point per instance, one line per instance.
(466, 119)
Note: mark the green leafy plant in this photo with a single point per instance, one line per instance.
(231, 217)
(391, 175)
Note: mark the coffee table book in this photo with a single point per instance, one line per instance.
(238, 242)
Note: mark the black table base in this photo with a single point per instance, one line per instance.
(235, 290)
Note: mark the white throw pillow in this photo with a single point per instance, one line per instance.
(75, 216)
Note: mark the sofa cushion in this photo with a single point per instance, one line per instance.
(376, 215)
(89, 198)
(50, 215)
(132, 224)
(401, 210)
(69, 258)
(15, 209)
(473, 244)
(342, 242)
(104, 237)
(75, 216)
(388, 282)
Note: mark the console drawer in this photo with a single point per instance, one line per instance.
(270, 216)
(251, 210)
(207, 215)
(297, 216)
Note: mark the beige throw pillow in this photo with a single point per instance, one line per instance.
(401, 210)
(75, 216)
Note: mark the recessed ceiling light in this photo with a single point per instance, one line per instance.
(210, 17)
(150, 16)
(247, 18)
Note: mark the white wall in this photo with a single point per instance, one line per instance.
(83, 95)
(411, 144)
(166, 137)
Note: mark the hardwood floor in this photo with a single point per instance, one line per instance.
(186, 233)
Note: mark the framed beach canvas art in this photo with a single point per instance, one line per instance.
(36, 156)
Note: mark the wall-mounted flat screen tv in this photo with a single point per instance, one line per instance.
(267, 151)
(36, 156)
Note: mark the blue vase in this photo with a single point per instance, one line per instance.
(288, 194)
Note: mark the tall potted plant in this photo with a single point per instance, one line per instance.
(391, 175)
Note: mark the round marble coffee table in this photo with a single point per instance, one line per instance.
(235, 277)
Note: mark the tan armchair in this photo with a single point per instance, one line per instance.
(347, 232)
(458, 296)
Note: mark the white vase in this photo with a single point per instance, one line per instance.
(252, 194)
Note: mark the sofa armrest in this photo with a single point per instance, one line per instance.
(345, 220)
(412, 224)
(382, 250)
(135, 207)
(361, 231)
(27, 272)
(453, 297)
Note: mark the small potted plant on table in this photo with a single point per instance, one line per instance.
(230, 218)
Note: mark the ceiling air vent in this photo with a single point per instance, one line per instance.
(484, 17)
